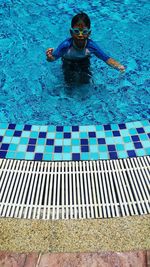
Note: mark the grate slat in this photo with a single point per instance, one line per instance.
(74, 190)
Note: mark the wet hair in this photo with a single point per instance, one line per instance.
(83, 17)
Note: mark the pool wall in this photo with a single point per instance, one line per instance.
(92, 142)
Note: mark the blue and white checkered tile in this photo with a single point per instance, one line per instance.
(93, 142)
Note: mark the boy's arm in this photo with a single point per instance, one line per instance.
(100, 54)
(59, 51)
(113, 63)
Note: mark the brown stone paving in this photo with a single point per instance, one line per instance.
(101, 259)
(12, 259)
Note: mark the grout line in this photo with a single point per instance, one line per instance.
(39, 259)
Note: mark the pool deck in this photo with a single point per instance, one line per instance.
(99, 259)
(89, 235)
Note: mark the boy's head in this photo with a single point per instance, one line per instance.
(80, 28)
(81, 17)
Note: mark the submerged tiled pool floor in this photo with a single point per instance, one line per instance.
(56, 143)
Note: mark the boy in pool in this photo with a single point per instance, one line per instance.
(75, 51)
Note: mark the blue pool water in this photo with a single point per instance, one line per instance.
(33, 90)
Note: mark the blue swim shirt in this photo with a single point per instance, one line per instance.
(66, 50)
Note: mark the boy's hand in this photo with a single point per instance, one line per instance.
(121, 68)
(49, 52)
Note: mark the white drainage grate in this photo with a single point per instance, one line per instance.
(72, 190)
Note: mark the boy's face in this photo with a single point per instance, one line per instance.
(80, 33)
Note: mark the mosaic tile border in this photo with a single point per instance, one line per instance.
(92, 142)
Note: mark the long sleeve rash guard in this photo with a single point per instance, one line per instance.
(66, 50)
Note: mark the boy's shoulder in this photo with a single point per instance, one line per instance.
(67, 42)
(91, 42)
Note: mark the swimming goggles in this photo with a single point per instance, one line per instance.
(77, 31)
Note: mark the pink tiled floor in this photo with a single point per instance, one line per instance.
(102, 259)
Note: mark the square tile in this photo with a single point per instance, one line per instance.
(67, 142)
(99, 128)
(119, 147)
(34, 135)
(51, 128)
(113, 155)
(58, 149)
(101, 141)
(76, 135)
(3, 125)
(7, 139)
(85, 156)
(35, 128)
(22, 148)
(29, 156)
(93, 148)
(143, 137)
(100, 134)
(24, 140)
(15, 140)
(3, 154)
(27, 127)
(49, 149)
(75, 156)
(9, 133)
(75, 142)
(108, 134)
(131, 153)
(67, 135)
(114, 127)
(10, 155)
(13, 147)
(93, 141)
(66, 156)
(43, 128)
(42, 135)
(2, 131)
(84, 148)
(75, 149)
(111, 148)
(127, 139)
(25, 133)
(20, 155)
(140, 152)
(129, 146)
(122, 154)
(59, 142)
(103, 155)
(50, 142)
(124, 133)
(67, 128)
(51, 135)
(94, 156)
(75, 128)
(147, 151)
(41, 141)
(146, 144)
(132, 131)
(47, 156)
(102, 148)
(109, 140)
(39, 149)
(38, 156)
(83, 135)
